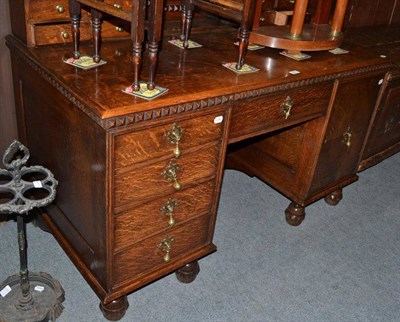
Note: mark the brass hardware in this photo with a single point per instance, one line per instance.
(64, 34)
(171, 172)
(174, 135)
(166, 245)
(292, 1)
(286, 107)
(117, 5)
(168, 210)
(262, 19)
(347, 137)
(60, 9)
(119, 29)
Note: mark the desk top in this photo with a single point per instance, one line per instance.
(195, 78)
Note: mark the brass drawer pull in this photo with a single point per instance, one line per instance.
(347, 137)
(60, 8)
(117, 5)
(119, 29)
(64, 34)
(286, 107)
(168, 210)
(174, 135)
(171, 173)
(166, 245)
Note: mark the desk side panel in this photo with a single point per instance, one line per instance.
(63, 139)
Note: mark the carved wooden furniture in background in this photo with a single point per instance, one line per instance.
(240, 11)
(43, 22)
(139, 11)
(298, 37)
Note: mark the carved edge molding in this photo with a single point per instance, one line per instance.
(129, 119)
(173, 8)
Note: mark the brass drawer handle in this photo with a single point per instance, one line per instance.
(171, 173)
(174, 135)
(117, 5)
(60, 8)
(166, 245)
(64, 34)
(168, 210)
(347, 137)
(119, 29)
(286, 107)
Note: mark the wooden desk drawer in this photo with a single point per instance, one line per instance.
(146, 255)
(125, 5)
(265, 113)
(58, 33)
(48, 10)
(151, 219)
(143, 145)
(145, 183)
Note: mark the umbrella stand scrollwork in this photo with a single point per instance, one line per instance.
(27, 296)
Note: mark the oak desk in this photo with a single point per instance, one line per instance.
(129, 208)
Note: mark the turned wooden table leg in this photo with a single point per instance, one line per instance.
(96, 29)
(334, 198)
(187, 16)
(188, 273)
(156, 11)
(75, 14)
(137, 35)
(116, 309)
(294, 214)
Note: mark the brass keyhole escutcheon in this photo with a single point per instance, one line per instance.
(168, 210)
(174, 135)
(166, 245)
(347, 137)
(286, 107)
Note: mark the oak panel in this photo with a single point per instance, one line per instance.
(149, 217)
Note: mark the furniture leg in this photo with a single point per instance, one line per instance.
(294, 214)
(96, 27)
(244, 30)
(75, 14)
(334, 198)
(187, 17)
(115, 310)
(154, 34)
(188, 273)
(137, 35)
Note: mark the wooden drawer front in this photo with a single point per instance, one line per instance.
(48, 10)
(258, 115)
(55, 33)
(143, 145)
(115, 28)
(125, 5)
(145, 255)
(151, 219)
(145, 183)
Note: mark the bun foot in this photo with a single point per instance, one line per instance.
(188, 273)
(294, 214)
(116, 309)
(334, 198)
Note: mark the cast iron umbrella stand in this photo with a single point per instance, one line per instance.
(27, 296)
